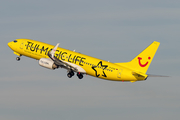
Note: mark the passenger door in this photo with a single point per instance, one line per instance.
(119, 73)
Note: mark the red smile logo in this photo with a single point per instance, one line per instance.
(143, 65)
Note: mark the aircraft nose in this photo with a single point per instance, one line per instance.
(9, 44)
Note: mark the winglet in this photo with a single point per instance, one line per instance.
(54, 50)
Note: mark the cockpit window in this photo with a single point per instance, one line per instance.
(15, 41)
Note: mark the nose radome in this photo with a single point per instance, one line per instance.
(9, 44)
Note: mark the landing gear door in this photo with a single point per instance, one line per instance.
(22, 44)
(119, 73)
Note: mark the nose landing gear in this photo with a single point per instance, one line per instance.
(18, 58)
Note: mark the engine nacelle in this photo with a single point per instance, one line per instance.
(47, 63)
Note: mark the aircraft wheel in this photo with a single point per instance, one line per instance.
(80, 76)
(18, 58)
(72, 73)
(69, 75)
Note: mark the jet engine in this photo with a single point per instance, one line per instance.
(47, 63)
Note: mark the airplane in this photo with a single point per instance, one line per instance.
(54, 57)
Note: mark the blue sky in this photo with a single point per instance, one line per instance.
(115, 30)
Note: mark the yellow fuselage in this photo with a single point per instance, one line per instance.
(93, 66)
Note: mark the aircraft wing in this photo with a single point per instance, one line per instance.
(64, 64)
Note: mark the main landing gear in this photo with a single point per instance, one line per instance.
(80, 75)
(71, 73)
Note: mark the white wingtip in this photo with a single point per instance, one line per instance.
(54, 50)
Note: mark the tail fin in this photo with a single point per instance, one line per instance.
(141, 62)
